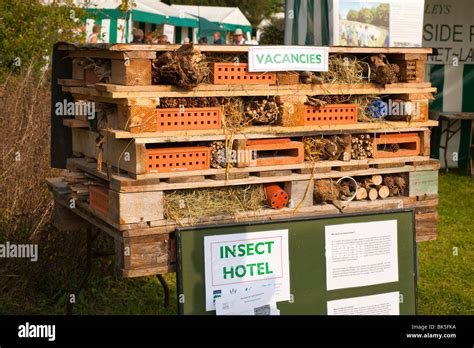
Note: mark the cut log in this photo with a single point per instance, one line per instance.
(383, 191)
(377, 179)
(372, 193)
(361, 194)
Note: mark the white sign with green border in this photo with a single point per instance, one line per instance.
(288, 58)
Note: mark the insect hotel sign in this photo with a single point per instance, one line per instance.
(288, 58)
(237, 263)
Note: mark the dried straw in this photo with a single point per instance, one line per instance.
(188, 207)
(345, 70)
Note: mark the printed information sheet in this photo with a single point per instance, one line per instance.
(383, 304)
(361, 254)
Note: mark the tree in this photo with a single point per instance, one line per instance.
(274, 33)
(28, 30)
(352, 15)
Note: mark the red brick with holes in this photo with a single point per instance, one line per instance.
(178, 159)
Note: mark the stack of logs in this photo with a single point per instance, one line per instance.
(361, 146)
(378, 187)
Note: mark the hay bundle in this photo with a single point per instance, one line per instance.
(345, 70)
(188, 207)
(185, 68)
(233, 111)
(326, 190)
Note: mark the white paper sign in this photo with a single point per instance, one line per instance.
(168, 30)
(254, 302)
(383, 304)
(287, 58)
(242, 262)
(361, 254)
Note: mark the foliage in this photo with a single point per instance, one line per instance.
(28, 30)
(378, 16)
(274, 33)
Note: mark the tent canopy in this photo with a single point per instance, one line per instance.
(217, 18)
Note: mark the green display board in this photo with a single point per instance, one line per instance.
(307, 262)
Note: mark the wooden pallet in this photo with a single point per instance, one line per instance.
(131, 155)
(150, 249)
(131, 65)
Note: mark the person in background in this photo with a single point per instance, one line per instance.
(137, 35)
(148, 38)
(94, 37)
(186, 40)
(203, 41)
(217, 38)
(163, 40)
(239, 38)
(254, 40)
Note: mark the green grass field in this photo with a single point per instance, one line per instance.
(446, 277)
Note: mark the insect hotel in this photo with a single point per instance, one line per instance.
(168, 136)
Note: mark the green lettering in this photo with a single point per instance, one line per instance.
(250, 249)
(228, 272)
(318, 58)
(260, 58)
(251, 266)
(295, 57)
(241, 248)
(258, 245)
(268, 59)
(270, 246)
(312, 59)
(221, 249)
(275, 58)
(267, 271)
(301, 58)
(242, 273)
(261, 268)
(286, 58)
(229, 250)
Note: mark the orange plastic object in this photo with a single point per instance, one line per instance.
(188, 118)
(270, 152)
(408, 144)
(277, 198)
(99, 199)
(178, 159)
(237, 73)
(330, 114)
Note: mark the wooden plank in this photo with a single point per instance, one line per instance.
(273, 173)
(210, 90)
(243, 49)
(263, 132)
(125, 155)
(300, 192)
(71, 82)
(74, 123)
(107, 54)
(129, 208)
(423, 182)
(134, 72)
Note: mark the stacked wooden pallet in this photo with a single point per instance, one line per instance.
(133, 152)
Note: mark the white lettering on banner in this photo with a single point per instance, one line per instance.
(285, 58)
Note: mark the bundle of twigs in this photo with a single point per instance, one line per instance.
(362, 146)
(263, 110)
(319, 148)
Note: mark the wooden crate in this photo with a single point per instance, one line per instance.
(99, 199)
(236, 74)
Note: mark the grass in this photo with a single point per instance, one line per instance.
(446, 266)
(446, 280)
